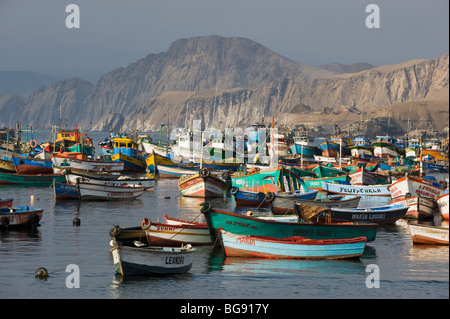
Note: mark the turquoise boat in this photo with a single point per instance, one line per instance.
(268, 180)
(290, 248)
(26, 179)
(248, 225)
(316, 183)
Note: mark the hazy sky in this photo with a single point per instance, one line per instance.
(115, 33)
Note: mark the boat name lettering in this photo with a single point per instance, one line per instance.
(303, 232)
(164, 228)
(429, 192)
(360, 190)
(236, 223)
(175, 260)
(368, 216)
(245, 240)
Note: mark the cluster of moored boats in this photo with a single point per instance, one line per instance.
(311, 204)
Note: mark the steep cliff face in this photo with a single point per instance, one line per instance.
(226, 82)
(348, 96)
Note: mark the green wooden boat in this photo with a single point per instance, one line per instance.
(316, 183)
(325, 171)
(248, 225)
(26, 179)
(268, 180)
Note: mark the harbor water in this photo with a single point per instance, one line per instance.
(402, 270)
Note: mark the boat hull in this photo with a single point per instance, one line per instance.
(20, 217)
(66, 191)
(30, 165)
(203, 187)
(89, 191)
(410, 186)
(247, 225)
(418, 207)
(175, 235)
(431, 235)
(110, 180)
(26, 179)
(287, 205)
(442, 203)
(61, 163)
(290, 248)
(379, 215)
(148, 261)
(372, 190)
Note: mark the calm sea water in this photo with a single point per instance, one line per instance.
(406, 270)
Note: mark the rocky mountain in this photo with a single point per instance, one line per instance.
(227, 82)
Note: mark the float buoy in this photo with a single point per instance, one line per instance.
(41, 273)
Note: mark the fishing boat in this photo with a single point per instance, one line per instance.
(75, 141)
(126, 151)
(6, 202)
(235, 245)
(31, 165)
(177, 221)
(306, 145)
(361, 190)
(91, 191)
(278, 179)
(202, 184)
(111, 179)
(384, 147)
(316, 183)
(435, 150)
(20, 217)
(282, 205)
(248, 225)
(151, 260)
(361, 176)
(7, 166)
(419, 206)
(442, 203)
(66, 191)
(379, 215)
(27, 179)
(78, 162)
(260, 199)
(166, 168)
(410, 185)
(427, 234)
(159, 234)
(277, 145)
(361, 148)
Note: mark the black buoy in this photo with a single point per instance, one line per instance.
(76, 221)
(41, 273)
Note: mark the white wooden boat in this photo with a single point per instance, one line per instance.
(360, 190)
(150, 260)
(411, 186)
(442, 203)
(159, 234)
(110, 179)
(90, 191)
(77, 162)
(203, 184)
(290, 248)
(419, 206)
(427, 234)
